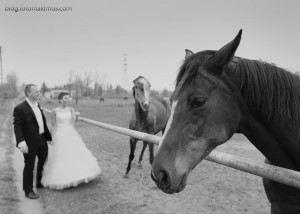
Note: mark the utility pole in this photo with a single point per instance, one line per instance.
(125, 79)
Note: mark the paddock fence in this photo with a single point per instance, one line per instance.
(275, 173)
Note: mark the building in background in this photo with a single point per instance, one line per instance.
(55, 92)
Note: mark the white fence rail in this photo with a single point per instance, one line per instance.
(275, 173)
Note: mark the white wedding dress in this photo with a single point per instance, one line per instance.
(69, 162)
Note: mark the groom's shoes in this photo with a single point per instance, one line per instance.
(39, 186)
(32, 195)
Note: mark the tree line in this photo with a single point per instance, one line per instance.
(86, 86)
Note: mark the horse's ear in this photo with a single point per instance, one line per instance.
(223, 56)
(188, 53)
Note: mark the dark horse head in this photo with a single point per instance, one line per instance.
(217, 95)
(205, 113)
(141, 92)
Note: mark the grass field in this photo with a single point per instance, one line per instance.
(211, 188)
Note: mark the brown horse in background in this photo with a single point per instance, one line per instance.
(217, 95)
(150, 115)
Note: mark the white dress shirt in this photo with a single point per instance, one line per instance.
(38, 114)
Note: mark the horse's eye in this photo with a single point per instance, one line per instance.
(198, 102)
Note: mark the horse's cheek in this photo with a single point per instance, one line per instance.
(196, 151)
(231, 124)
(192, 131)
(215, 134)
(223, 126)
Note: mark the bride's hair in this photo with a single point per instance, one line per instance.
(61, 95)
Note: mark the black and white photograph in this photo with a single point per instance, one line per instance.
(149, 107)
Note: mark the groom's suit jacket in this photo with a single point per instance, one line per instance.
(26, 126)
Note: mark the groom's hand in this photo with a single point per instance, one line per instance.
(24, 149)
(50, 142)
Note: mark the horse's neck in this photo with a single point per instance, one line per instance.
(268, 143)
(270, 124)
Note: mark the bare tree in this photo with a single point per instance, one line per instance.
(96, 77)
(118, 89)
(87, 81)
(102, 78)
(12, 84)
(70, 81)
(95, 89)
(99, 84)
(44, 88)
(165, 93)
(96, 86)
(78, 87)
(109, 87)
(100, 91)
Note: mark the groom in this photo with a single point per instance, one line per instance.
(31, 133)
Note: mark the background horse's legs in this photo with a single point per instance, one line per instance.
(131, 155)
(141, 155)
(151, 156)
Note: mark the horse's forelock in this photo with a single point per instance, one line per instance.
(188, 71)
(136, 79)
(141, 80)
(191, 65)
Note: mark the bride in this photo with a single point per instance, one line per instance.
(69, 161)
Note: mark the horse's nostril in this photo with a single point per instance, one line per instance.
(162, 178)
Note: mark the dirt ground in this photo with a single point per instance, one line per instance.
(8, 195)
(211, 188)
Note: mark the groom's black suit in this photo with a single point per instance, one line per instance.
(27, 129)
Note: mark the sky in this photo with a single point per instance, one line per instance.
(97, 35)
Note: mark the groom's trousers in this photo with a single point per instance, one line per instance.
(41, 151)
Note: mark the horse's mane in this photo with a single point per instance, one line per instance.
(272, 93)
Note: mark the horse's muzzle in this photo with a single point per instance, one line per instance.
(153, 177)
(162, 182)
(146, 106)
